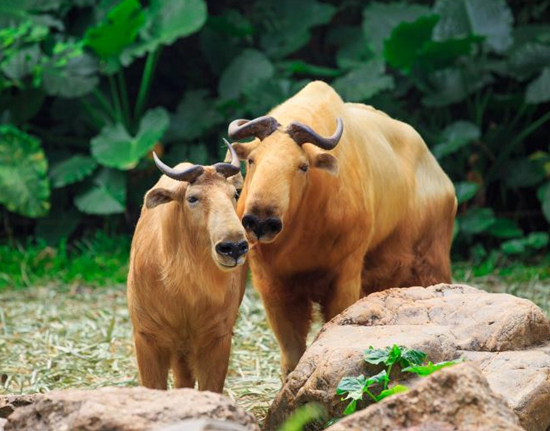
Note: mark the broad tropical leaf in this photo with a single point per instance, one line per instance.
(364, 82)
(527, 60)
(246, 70)
(14, 12)
(490, 18)
(476, 220)
(107, 195)
(118, 30)
(167, 20)
(24, 187)
(289, 23)
(504, 228)
(115, 148)
(538, 91)
(455, 136)
(72, 170)
(379, 19)
(465, 191)
(74, 79)
(430, 368)
(397, 389)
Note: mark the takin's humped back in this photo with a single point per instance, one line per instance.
(333, 218)
(187, 277)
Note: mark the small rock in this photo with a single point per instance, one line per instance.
(124, 409)
(8, 403)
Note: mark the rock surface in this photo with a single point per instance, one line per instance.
(124, 409)
(8, 403)
(457, 398)
(507, 337)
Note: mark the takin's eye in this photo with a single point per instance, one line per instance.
(251, 161)
(192, 199)
(303, 167)
(237, 194)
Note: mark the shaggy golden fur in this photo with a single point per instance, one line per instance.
(375, 212)
(183, 300)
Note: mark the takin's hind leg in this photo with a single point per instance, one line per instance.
(183, 374)
(153, 362)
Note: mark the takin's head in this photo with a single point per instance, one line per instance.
(207, 197)
(279, 170)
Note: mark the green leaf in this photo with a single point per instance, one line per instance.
(265, 94)
(364, 82)
(352, 48)
(353, 386)
(407, 40)
(477, 220)
(379, 379)
(490, 18)
(513, 246)
(302, 416)
(195, 115)
(528, 60)
(504, 228)
(23, 63)
(247, 69)
(543, 194)
(394, 355)
(376, 356)
(115, 148)
(438, 55)
(106, 196)
(397, 389)
(537, 240)
(430, 368)
(538, 90)
(24, 187)
(14, 12)
(289, 23)
(379, 19)
(523, 173)
(455, 136)
(452, 85)
(77, 78)
(71, 170)
(167, 20)
(465, 191)
(57, 225)
(411, 357)
(350, 408)
(301, 67)
(117, 31)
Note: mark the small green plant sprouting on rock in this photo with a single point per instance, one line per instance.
(409, 360)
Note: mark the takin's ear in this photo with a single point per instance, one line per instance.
(243, 149)
(158, 197)
(327, 162)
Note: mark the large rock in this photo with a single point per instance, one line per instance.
(8, 403)
(124, 409)
(456, 399)
(508, 337)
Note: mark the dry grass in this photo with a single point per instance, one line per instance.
(60, 337)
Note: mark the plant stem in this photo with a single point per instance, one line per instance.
(386, 381)
(124, 97)
(505, 152)
(104, 103)
(145, 85)
(370, 394)
(94, 118)
(116, 98)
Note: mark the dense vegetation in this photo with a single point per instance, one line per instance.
(89, 87)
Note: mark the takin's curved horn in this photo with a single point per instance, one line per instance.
(229, 169)
(301, 134)
(260, 127)
(189, 174)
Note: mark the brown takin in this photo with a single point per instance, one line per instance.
(334, 218)
(187, 277)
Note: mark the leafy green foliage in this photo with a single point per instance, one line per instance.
(363, 82)
(410, 360)
(115, 148)
(24, 187)
(117, 31)
(107, 194)
(72, 170)
(302, 416)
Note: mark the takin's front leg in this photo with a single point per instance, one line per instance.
(289, 316)
(345, 290)
(153, 362)
(212, 361)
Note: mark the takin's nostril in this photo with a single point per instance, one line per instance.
(225, 248)
(273, 225)
(250, 222)
(242, 248)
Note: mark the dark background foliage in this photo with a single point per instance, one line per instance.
(89, 87)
